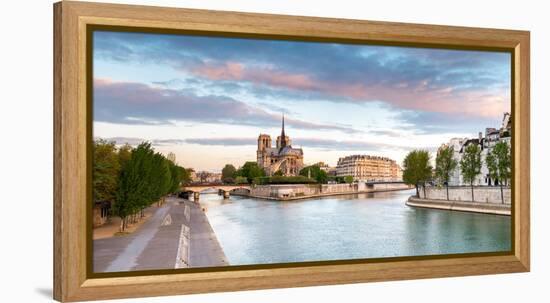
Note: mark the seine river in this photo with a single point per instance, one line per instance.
(253, 231)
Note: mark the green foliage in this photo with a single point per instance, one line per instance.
(106, 168)
(470, 165)
(229, 173)
(132, 179)
(316, 173)
(445, 164)
(337, 179)
(134, 188)
(160, 178)
(499, 162)
(283, 180)
(185, 175)
(416, 168)
(175, 173)
(348, 179)
(124, 154)
(250, 170)
(278, 173)
(241, 180)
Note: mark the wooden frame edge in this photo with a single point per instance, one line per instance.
(521, 100)
(70, 281)
(57, 205)
(252, 280)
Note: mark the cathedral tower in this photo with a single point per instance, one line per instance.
(283, 140)
(262, 153)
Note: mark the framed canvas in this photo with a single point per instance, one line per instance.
(206, 151)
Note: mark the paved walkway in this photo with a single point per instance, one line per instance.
(205, 249)
(112, 226)
(177, 235)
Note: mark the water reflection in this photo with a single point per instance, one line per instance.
(253, 231)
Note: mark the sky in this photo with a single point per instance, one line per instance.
(207, 99)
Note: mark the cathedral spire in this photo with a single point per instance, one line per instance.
(283, 128)
(283, 135)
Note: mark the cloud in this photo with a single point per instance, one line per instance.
(305, 143)
(423, 95)
(441, 123)
(223, 141)
(138, 103)
(469, 83)
(357, 145)
(123, 140)
(319, 143)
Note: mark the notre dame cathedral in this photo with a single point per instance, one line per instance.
(284, 158)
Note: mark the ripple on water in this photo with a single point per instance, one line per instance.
(254, 231)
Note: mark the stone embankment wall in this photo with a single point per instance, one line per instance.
(482, 194)
(297, 191)
(389, 186)
(240, 192)
(339, 188)
(284, 191)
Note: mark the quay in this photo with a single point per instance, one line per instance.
(288, 192)
(466, 206)
(320, 195)
(177, 235)
(484, 199)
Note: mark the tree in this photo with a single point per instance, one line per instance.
(315, 172)
(250, 170)
(278, 173)
(203, 176)
(185, 175)
(134, 188)
(348, 179)
(470, 165)
(499, 163)
(241, 180)
(124, 154)
(106, 168)
(417, 168)
(445, 164)
(228, 173)
(160, 179)
(142, 177)
(176, 177)
(284, 180)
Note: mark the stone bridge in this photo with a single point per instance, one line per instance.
(222, 189)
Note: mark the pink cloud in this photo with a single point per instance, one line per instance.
(402, 95)
(238, 72)
(226, 71)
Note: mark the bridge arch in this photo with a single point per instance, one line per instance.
(223, 189)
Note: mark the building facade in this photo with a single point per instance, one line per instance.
(283, 158)
(369, 168)
(486, 142)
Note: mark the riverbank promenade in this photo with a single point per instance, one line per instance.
(467, 206)
(177, 235)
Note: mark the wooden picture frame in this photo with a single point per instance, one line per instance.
(72, 279)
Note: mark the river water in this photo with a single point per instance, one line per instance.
(255, 231)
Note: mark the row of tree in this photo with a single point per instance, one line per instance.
(316, 173)
(417, 169)
(251, 171)
(133, 178)
(245, 174)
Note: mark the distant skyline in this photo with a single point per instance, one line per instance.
(206, 99)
